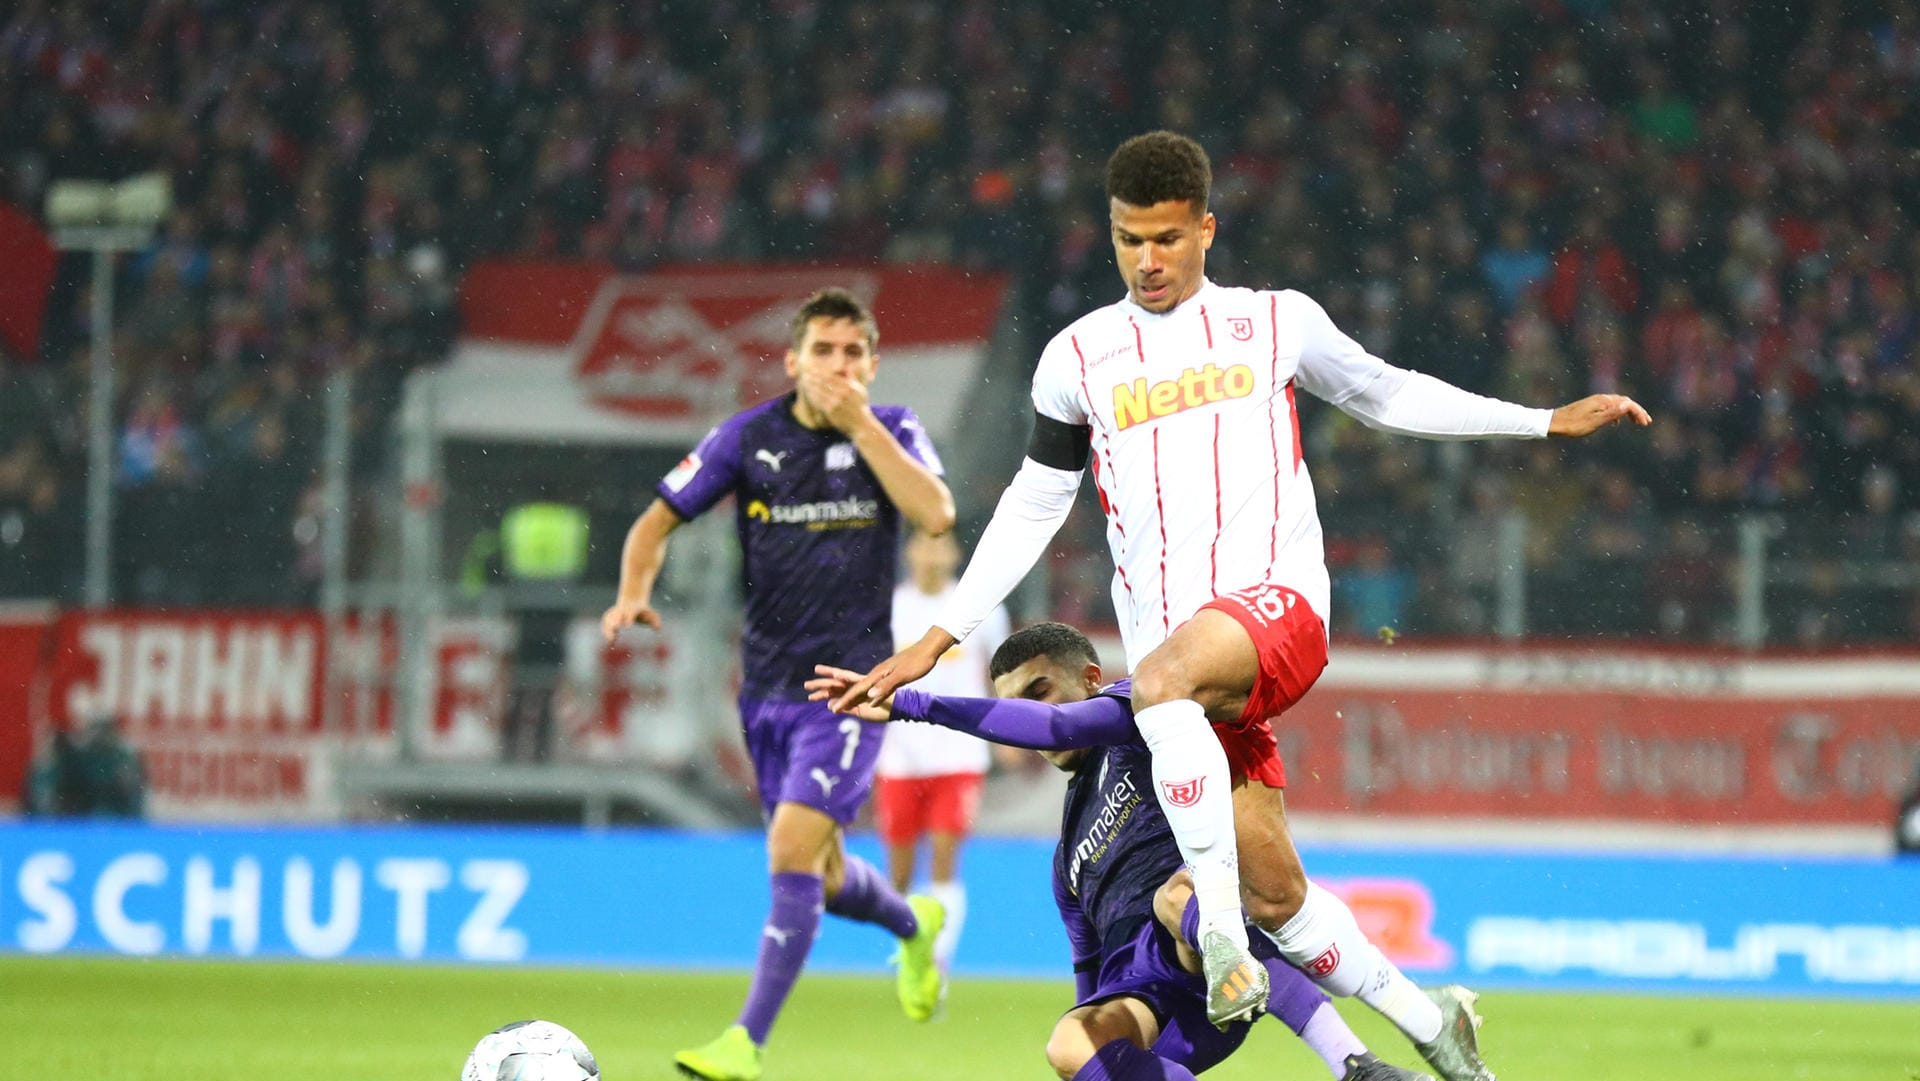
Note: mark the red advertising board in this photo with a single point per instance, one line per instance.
(228, 709)
(224, 708)
(227, 712)
(1617, 735)
(24, 631)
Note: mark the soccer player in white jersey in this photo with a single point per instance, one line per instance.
(927, 779)
(1181, 397)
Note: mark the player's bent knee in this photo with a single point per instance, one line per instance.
(1069, 1047)
(1160, 679)
(1272, 906)
(1170, 901)
(802, 840)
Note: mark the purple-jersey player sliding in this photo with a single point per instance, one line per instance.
(1125, 899)
(821, 481)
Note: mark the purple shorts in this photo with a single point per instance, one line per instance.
(1146, 967)
(804, 753)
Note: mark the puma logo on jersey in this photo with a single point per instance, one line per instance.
(825, 780)
(1139, 401)
(773, 460)
(778, 934)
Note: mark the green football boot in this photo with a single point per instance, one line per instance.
(918, 980)
(733, 1056)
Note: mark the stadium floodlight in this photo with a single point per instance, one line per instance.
(104, 218)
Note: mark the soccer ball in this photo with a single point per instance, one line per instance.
(530, 1051)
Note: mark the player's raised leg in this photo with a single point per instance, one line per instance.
(829, 768)
(1207, 663)
(1316, 931)
(813, 773)
(1293, 1001)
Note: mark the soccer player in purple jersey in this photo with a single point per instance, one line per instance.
(1128, 906)
(821, 481)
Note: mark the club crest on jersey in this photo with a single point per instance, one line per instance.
(683, 472)
(1184, 793)
(1241, 329)
(840, 456)
(1324, 964)
(1139, 401)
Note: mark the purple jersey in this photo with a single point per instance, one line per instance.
(817, 539)
(1115, 849)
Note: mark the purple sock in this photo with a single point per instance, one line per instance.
(792, 924)
(1121, 1061)
(866, 896)
(1293, 997)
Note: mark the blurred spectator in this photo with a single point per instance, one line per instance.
(1373, 593)
(1515, 264)
(91, 773)
(35, 525)
(1590, 199)
(1906, 821)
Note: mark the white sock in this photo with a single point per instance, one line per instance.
(1327, 1033)
(1195, 790)
(1324, 941)
(952, 895)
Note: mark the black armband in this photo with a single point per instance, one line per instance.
(1060, 445)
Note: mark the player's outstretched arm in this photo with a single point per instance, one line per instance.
(896, 671)
(1577, 420)
(640, 560)
(831, 682)
(1100, 721)
(1336, 368)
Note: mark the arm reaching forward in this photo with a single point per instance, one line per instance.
(1334, 367)
(1100, 721)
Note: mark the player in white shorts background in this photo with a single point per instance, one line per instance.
(928, 779)
(1181, 399)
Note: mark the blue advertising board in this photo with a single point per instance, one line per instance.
(663, 899)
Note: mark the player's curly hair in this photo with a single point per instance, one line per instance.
(834, 302)
(1159, 167)
(1057, 642)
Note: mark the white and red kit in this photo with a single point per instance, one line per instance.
(1187, 419)
(928, 778)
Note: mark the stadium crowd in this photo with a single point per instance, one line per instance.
(1705, 206)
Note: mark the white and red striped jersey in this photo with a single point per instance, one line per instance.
(926, 750)
(1196, 443)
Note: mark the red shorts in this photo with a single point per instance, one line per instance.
(1292, 645)
(908, 808)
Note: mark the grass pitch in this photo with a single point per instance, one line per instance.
(120, 1020)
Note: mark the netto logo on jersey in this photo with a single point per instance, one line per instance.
(1138, 402)
(827, 514)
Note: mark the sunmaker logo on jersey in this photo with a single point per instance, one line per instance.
(826, 514)
(1139, 401)
(1118, 806)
